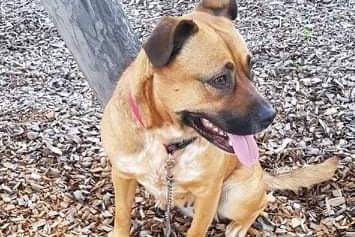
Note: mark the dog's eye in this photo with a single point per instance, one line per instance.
(221, 82)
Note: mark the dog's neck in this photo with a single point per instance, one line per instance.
(140, 80)
(170, 147)
(145, 123)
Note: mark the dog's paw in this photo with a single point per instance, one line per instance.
(234, 230)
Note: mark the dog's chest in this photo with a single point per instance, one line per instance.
(149, 167)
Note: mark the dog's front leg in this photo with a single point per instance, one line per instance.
(205, 208)
(124, 195)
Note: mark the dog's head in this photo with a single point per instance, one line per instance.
(202, 74)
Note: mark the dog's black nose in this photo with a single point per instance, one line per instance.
(266, 115)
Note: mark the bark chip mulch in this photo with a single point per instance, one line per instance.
(54, 176)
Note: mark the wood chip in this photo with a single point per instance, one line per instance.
(55, 179)
(336, 201)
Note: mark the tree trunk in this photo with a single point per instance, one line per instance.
(98, 34)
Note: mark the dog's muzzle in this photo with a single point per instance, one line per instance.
(253, 122)
(219, 128)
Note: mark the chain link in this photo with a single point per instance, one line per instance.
(170, 163)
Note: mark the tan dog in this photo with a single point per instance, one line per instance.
(189, 89)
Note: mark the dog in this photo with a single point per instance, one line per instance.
(188, 96)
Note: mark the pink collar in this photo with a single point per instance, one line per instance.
(135, 110)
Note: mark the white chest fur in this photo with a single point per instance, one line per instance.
(148, 166)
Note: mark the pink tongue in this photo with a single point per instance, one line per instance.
(245, 148)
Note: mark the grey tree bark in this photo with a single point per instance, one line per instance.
(98, 34)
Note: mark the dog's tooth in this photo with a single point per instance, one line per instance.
(230, 143)
(205, 122)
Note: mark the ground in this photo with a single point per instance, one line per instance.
(55, 179)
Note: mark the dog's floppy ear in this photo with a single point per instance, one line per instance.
(167, 39)
(226, 8)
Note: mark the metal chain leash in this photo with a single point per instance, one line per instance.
(170, 163)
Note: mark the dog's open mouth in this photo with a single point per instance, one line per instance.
(244, 147)
(212, 133)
